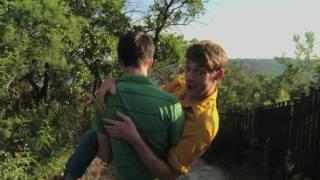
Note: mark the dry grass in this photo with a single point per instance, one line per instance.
(99, 170)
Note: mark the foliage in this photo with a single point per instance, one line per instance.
(96, 50)
(317, 76)
(244, 87)
(239, 87)
(54, 53)
(32, 63)
(34, 137)
(172, 48)
(298, 77)
(163, 14)
(15, 166)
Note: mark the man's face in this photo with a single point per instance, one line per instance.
(199, 80)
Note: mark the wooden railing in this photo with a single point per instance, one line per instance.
(290, 129)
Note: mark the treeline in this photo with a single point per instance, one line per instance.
(53, 56)
(244, 87)
(55, 53)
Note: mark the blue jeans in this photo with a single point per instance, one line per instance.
(83, 156)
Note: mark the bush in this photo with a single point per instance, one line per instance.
(36, 142)
(17, 165)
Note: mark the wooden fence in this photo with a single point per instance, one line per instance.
(236, 120)
(236, 126)
(290, 129)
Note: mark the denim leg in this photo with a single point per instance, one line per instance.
(84, 155)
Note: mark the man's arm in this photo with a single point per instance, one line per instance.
(158, 167)
(126, 130)
(104, 151)
(107, 86)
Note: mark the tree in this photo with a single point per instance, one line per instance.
(105, 22)
(239, 87)
(33, 34)
(300, 74)
(317, 76)
(244, 87)
(166, 13)
(35, 88)
(53, 54)
(172, 49)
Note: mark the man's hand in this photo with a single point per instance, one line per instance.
(107, 86)
(124, 129)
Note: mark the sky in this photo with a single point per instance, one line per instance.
(256, 28)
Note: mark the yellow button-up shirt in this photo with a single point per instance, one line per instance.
(200, 128)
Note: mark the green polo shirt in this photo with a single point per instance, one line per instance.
(159, 119)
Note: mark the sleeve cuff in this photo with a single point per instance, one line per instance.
(176, 163)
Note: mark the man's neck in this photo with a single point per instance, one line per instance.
(135, 71)
(201, 96)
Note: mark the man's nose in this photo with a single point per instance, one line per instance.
(189, 76)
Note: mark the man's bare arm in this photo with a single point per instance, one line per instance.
(126, 130)
(158, 167)
(107, 86)
(104, 151)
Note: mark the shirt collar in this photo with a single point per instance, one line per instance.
(136, 79)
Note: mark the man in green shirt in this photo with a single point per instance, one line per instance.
(157, 115)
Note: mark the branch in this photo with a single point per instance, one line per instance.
(178, 7)
(160, 24)
(134, 11)
(178, 24)
(10, 82)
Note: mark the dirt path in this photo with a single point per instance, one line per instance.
(201, 170)
(99, 171)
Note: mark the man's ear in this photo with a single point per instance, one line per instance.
(150, 63)
(219, 74)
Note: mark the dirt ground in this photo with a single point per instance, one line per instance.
(99, 171)
(200, 170)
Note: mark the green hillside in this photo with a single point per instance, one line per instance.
(262, 66)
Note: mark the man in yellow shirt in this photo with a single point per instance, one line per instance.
(197, 91)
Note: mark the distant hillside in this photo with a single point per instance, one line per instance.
(262, 66)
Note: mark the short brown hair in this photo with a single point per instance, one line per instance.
(208, 55)
(135, 48)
